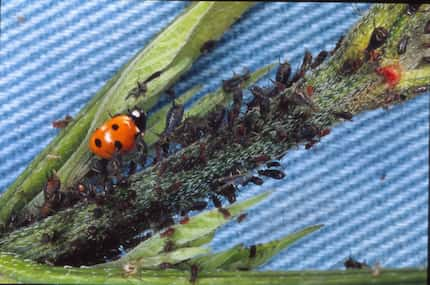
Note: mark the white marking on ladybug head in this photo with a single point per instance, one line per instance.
(135, 113)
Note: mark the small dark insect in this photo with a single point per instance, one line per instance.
(350, 66)
(92, 231)
(319, 59)
(61, 124)
(162, 168)
(174, 187)
(198, 206)
(343, 115)
(167, 233)
(252, 251)
(273, 164)
(169, 246)
(174, 118)
(97, 213)
(403, 44)
(165, 265)
(310, 90)
(231, 84)
(351, 263)
(427, 28)
(264, 107)
(153, 76)
(194, 270)
(207, 47)
(184, 220)
(132, 166)
(377, 38)
(306, 64)
(338, 44)
(272, 173)
(229, 191)
(308, 132)
(256, 180)
(324, 132)
(224, 212)
(298, 98)
(281, 134)
(216, 201)
(139, 90)
(237, 97)
(52, 195)
(260, 159)
(232, 115)
(283, 73)
(310, 144)
(413, 8)
(241, 217)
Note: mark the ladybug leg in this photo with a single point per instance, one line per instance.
(114, 165)
(142, 150)
(98, 166)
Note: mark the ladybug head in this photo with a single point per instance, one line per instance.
(139, 117)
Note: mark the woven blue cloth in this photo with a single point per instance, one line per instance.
(367, 181)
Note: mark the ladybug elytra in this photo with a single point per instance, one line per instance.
(119, 133)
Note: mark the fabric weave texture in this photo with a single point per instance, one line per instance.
(366, 182)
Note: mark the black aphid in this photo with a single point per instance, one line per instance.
(272, 173)
(377, 38)
(207, 47)
(319, 59)
(403, 44)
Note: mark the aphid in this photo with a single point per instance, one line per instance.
(273, 164)
(308, 132)
(194, 270)
(62, 123)
(343, 115)
(310, 90)
(224, 212)
(185, 220)
(260, 159)
(310, 144)
(132, 166)
(427, 27)
(281, 134)
(351, 263)
(319, 59)
(167, 233)
(139, 90)
(165, 265)
(153, 76)
(413, 8)
(391, 74)
(52, 195)
(283, 73)
(252, 251)
(232, 115)
(298, 98)
(377, 38)
(324, 132)
(118, 133)
(231, 84)
(237, 97)
(228, 191)
(174, 118)
(338, 44)
(264, 107)
(351, 65)
(92, 231)
(175, 187)
(207, 47)
(273, 173)
(169, 246)
(97, 213)
(403, 44)
(256, 180)
(306, 64)
(198, 206)
(216, 118)
(216, 201)
(241, 217)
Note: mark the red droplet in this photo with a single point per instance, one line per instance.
(391, 74)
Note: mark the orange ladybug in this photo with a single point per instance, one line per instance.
(119, 133)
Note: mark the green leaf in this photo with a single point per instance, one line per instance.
(238, 257)
(196, 232)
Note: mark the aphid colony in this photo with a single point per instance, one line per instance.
(119, 142)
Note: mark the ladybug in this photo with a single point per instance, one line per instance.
(118, 134)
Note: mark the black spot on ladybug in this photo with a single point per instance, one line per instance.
(115, 127)
(118, 145)
(98, 142)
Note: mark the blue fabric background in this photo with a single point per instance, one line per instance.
(64, 51)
